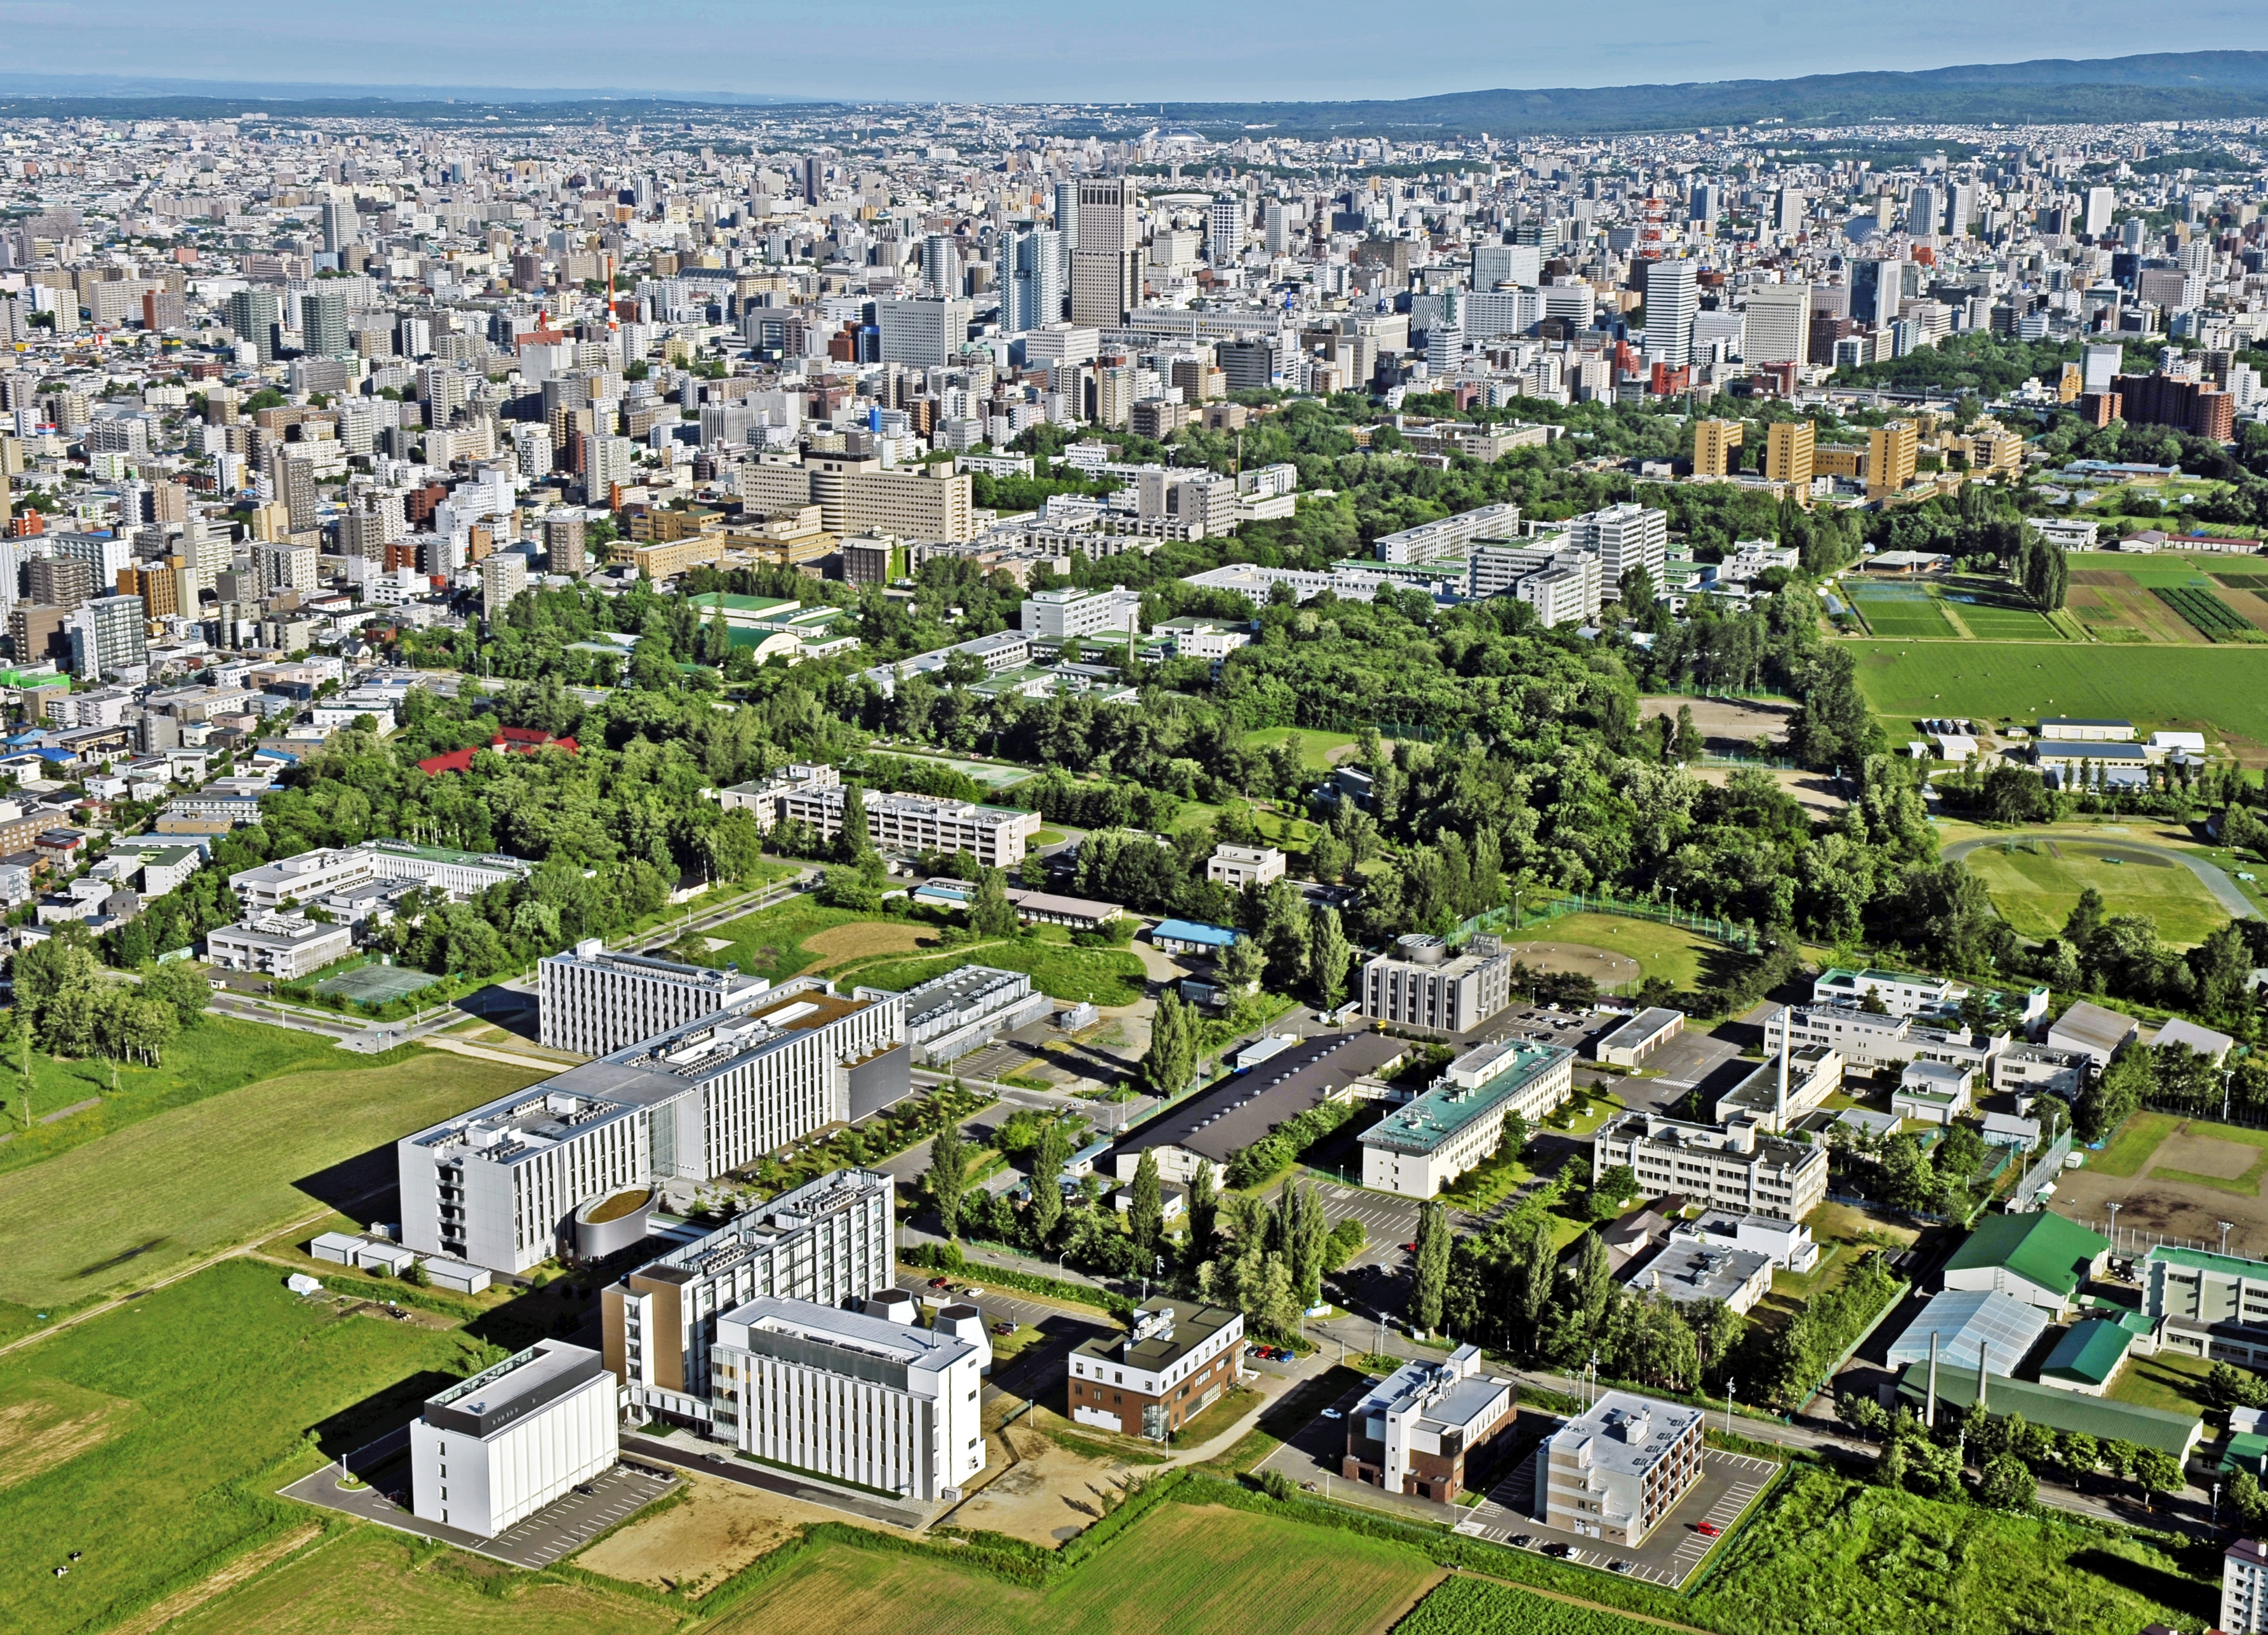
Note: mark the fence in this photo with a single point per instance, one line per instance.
(1732, 935)
(2134, 1240)
(2026, 1197)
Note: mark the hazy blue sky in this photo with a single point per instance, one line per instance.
(1015, 49)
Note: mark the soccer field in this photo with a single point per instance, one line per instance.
(2222, 688)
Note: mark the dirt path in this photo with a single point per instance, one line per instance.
(186, 1600)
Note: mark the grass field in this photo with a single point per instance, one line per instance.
(1318, 748)
(1476, 1606)
(1187, 1570)
(218, 1054)
(774, 942)
(1106, 975)
(1901, 614)
(1668, 951)
(2131, 1147)
(1997, 621)
(1832, 1556)
(2167, 1381)
(2035, 885)
(2225, 687)
(225, 1373)
(193, 1179)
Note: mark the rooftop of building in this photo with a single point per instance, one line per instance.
(756, 1233)
(2206, 1260)
(1684, 1271)
(1645, 1025)
(1625, 1433)
(1164, 1331)
(917, 1350)
(1459, 1098)
(2095, 1026)
(2041, 1248)
(499, 1396)
(956, 990)
(1449, 1394)
(1963, 1319)
(2098, 1417)
(1220, 1121)
(2088, 1351)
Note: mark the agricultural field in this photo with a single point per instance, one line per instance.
(2208, 614)
(2221, 689)
(198, 1178)
(2035, 884)
(1832, 1556)
(1467, 1605)
(154, 1428)
(2113, 605)
(1184, 1570)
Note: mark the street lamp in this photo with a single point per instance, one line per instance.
(2225, 1225)
(1730, 1387)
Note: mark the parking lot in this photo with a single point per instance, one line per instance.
(551, 1534)
(1669, 1555)
(1708, 1061)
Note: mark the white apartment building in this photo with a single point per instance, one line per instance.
(1238, 866)
(1068, 615)
(1422, 1146)
(2245, 1588)
(1613, 1471)
(1624, 536)
(495, 1448)
(996, 836)
(854, 1397)
(286, 946)
(1731, 1166)
(828, 1241)
(1564, 582)
(498, 1186)
(595, 1002)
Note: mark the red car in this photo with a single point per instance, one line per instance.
(1708, 1530)
(1410, 1248)
(940, 1283)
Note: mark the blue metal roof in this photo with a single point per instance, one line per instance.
(1190, 931)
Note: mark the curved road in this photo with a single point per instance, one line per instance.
(2223, 889)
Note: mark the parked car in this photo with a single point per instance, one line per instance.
(973, 1292)
(1522, 1541)
(1708, 1530)
(1410, 1248)
(1333, 1413)
(940, 1283)
(1619, 1567)
(1003, 1327)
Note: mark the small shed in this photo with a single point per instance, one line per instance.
(390, 1258)
(456, 1275)
(301, 1284)
(338, 1247)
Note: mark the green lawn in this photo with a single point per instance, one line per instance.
(2191, 687)
(1831, 1556)
(769, 943)
(1106, 975)
(2172, 1382)
(184, 1182)
(1995, 622)
(2129, 1148)
(2035, 885)
(1182, 1570)
(1669, 950)
(224, 1375)
(1902, 616)
(1317, 745)
(218, 1054)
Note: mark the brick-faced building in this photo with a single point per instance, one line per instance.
(1178, 1358)
(1419, 1427)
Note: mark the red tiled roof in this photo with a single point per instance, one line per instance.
(455, 761)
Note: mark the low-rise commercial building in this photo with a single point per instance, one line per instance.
(853, 1398)
(1866, 1041)
(1640, 1037)
(1613, 1471)
(1418, 1431)
(950, 1015)
(1214, 1124)
(1735, 1166)
(493, 1449)
(2093, 1031)
(595, 1001)
(285, 947)
(1171, 1366)
(1419, 1148)
(1785, 1243)
(1932, 1093)
(1424, 985)
(1682, 1270)
(1238, 866)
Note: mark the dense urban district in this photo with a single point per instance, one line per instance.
(810, 867)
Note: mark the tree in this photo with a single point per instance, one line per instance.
(1329, 957)
(1145, 1220)
(990, 914)
(854, 842)
(1432, 1269)
(1047, 1180)
(2005, 1484)
(1168, 1064)
(1241, 965)
(2118, 1457)
(1286, 935)
(2077, 1453)
(1614, 1188)
(184, 985)
(1204, 1213)
(947, 1178)
(2086, 918)
(2157, 1471)
(1688, 744)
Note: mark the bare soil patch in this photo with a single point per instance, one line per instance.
(1045, 1495)
(2202, 1155)
(1725, 724)
(1814, 792)
(1606, 967)
(48, 1421)
(839, 943)
(719, 1529)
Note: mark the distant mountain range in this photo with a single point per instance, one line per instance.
(2183, 85)
(2189, 85)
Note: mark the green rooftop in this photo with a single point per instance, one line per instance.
(2089, 1353)
(1431, 1119)
(2042, 1248)
(2099, 1417)
(2205, 1260)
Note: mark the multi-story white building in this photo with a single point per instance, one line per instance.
(950, 1015)
(1866, 1041)
(495, 1448)
(308, 875)
(1418, 1428)
(286, 946)
(1733, 1167)
(828, 1241)
(595, 1002)
(1238, 866)
(856, 1398)
(1422, 985)
(1068, 615)
(994, 836)
(1421, 1147)
(499, 1186)
(2245, 1588)
(1615, 1470)
(1624, 536)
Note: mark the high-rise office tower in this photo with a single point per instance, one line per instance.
(1924, 211)
(1703, 205)
(1672, 299)
(1779, 324)
(2101, 203)
(253, 315)
(1960, 208)
(1224, 228)
(1032, 284)
(1067, 211)
(941, 265)
(339, 226)
(1788, 206)
(1103, 270)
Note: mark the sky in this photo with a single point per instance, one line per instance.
(1017, 50)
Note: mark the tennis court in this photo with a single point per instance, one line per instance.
(375, 984)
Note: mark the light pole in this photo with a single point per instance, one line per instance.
(1730, 1387)
(2225, 1225)
(2113, 1208)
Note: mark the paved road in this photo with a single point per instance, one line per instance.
(2213, 879)
(534, 1542)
